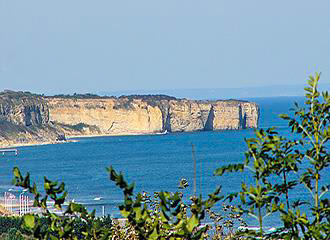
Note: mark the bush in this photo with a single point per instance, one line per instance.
(14, 234)
(270, 155)
(7, 223)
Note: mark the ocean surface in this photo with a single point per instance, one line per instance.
(153, 162)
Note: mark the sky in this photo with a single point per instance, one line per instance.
(82, 46)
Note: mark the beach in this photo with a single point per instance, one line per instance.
(73, 138)
(14, 145)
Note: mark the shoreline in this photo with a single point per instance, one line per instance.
(34, 144)
(114, 135)
(71, 138)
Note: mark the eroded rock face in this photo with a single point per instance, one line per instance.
(143, 115)
(24, 118)
(23, 109)
(108, 116)
(211, 115)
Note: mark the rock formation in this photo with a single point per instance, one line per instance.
(24, 119)
(29, 118)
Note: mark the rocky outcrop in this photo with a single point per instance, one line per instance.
(150, 114)
(24, 119)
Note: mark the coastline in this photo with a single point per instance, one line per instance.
(34, 144)
(113, 134)
(71, 138)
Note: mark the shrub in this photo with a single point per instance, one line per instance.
(270, 155)
(14, 234)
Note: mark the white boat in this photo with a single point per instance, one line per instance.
(162, 133)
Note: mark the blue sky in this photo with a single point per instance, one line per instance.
(105, 46)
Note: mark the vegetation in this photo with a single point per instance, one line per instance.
(79, 127)
(8, 94)
(11, 228)
(274, 163)
(157, 97)
(125, 102)
(80, 96)
(270, 155)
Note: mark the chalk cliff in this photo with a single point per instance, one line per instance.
(149, 114)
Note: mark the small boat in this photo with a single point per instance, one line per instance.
(97, 198)
(162, 133)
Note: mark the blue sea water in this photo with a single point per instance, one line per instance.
(153, 162)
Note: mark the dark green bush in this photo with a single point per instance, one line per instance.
(7, 223)
(14, 234)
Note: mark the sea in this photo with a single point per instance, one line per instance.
(153, 162)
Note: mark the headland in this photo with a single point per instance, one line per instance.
(27, 118)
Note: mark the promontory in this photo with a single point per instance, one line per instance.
(27, 118)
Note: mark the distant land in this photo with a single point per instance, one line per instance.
(225, 93)
(27, 118)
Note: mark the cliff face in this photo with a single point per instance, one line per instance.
(104, 116)
(188, 115)
(24, 118)
(27, 118)
(23, 109)
(139, 115)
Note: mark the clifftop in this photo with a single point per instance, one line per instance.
(80, 96)
(150, 97)
(12, 97)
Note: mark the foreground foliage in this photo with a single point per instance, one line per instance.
(272, 158)
(274, 163)
(168, 218)
(12, 228)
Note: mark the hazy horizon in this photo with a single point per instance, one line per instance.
(206, 93)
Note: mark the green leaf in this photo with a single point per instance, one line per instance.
(124, 213)
(192, 223)
(29, 221)
(154, 235)
(17, 172)
(46, 186)
(284, 116)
